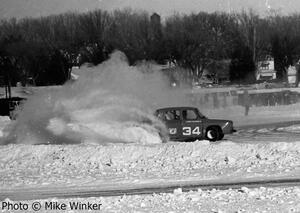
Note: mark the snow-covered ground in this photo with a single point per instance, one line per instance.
(280, 200)
(132, 164)
(113, 143)
(243, 156)
(119, 166)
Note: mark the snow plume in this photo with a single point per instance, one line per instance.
(113, 102)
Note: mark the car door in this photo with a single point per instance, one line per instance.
(173, 122)
(192, 125)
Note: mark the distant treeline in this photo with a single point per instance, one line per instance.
(44, 49)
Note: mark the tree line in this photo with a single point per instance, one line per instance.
(44, 49)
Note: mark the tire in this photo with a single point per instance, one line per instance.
(221, 136)
(213, 134)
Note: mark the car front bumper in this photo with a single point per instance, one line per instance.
(227, 128)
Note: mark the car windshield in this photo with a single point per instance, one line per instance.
(200, 114)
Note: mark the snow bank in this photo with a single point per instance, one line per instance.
(4, 126)
(29, 165)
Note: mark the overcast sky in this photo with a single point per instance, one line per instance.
(35, 8)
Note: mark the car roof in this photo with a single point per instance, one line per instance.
(175, 108)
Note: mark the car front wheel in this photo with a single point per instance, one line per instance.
(213, 134)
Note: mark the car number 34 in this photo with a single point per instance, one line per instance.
(187, 130)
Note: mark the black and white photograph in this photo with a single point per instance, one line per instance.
(169, 106)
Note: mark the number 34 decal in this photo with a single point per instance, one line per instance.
(189, 131)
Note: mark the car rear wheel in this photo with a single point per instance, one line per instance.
(221, 136)
(213, 134)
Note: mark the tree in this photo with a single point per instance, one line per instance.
(285, 42)
(242, 65)
(197, 40)
(129, 33)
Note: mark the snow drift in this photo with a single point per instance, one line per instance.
(113, 102)
(87, 164)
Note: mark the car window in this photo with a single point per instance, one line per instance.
(177, 114)
(172, 115)
(189, 114)
(200, 115)
(160, 115)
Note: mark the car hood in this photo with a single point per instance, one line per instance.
(217, 121)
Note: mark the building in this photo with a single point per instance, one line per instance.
(266, 69)
(292, 75)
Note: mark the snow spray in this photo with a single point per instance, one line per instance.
(112, 102)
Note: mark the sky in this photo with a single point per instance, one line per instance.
(36, 8)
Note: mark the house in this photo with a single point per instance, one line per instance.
(292, 75)
(266, 69)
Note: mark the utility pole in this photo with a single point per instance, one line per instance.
(254, 44)
(5, 76)
(7, 79)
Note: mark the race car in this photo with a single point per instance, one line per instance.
(188, 124)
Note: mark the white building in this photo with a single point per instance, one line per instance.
(266, 69)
